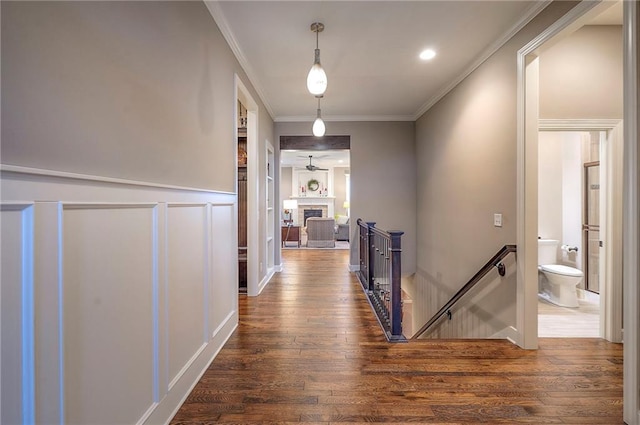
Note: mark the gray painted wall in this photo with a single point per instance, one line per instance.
(466, 151)
(340, 189)
(134, 90)
(581, 75)
(383, 177)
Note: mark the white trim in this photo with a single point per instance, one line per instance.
(187, 365)
(253, 186)
(345, 118)
(354, 267)
(612, 303)
(269, 225)
(527, 204)
(631, 227)
(265, 280)
(101, 179)
(225, 29)
(211, 353)
(509, 333)
(527, 16)
(577, 124)
(611, 271)
(218, 16)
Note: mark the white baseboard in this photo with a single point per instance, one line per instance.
(354, 267)
(265, 281)
(510, 333)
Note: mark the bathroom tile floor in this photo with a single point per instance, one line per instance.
(558, 322)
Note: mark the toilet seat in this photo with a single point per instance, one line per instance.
(561, 270)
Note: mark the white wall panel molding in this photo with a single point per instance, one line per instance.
(168, 407)
(49, 314)
(188, 271)
(22, 183)
(17, 391)
(109, 278)
(101, 179)
(132, 291)
(223, 297)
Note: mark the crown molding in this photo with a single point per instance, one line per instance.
(531, 13)
(344, 118)
(218, 16)
(225, 29)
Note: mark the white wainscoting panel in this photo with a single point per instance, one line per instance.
(17, 392)
(116, 295)
(483, 312)
(108, 313)
(187, 284)
(224, 297)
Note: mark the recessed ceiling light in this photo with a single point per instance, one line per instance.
(427, 54)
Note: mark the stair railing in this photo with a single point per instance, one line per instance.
(495, 261)
(380, 275)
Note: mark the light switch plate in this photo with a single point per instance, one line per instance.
(497, 220)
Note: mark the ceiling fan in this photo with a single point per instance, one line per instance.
(311, 167)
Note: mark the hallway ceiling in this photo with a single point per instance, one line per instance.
(369, 50)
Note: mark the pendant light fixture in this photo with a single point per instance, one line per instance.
(318, 125)
(317, 78)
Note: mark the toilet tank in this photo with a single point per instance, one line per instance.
(547, 251)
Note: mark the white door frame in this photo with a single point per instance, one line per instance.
(253, 203)
(527, 173)
(611, 205)
(631, 233)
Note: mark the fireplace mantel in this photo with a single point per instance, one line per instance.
(314, 201)
(320, 200)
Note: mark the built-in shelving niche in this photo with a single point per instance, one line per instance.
(271, 210)
(242, 198)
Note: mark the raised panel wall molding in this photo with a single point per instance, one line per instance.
(17, 395)
(101, 285)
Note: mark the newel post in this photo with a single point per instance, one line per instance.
(396, 289)
(371, 255)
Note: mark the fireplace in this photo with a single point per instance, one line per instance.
(311, 213)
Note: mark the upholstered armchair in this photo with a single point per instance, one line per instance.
(320, 232)
(342, 228)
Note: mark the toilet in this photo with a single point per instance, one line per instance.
(556, 283)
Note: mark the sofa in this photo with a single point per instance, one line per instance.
(320, 232)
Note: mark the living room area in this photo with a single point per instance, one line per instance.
(314, 196)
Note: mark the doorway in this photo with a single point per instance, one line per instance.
(531, 102)
(247, 137)
(527, 113)
(591, 227)
(315, 182)
(579, 206)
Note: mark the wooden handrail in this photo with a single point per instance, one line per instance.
(495, 261)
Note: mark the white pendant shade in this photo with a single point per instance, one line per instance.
(318, 127)
(317, 78)
(317, 81)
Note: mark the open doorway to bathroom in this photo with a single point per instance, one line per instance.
(580, 207)
(579, 108)
(571, 219)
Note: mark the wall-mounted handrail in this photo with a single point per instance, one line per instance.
(380, 275)
(495, 261)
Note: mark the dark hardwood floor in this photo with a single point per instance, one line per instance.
(309, 350)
